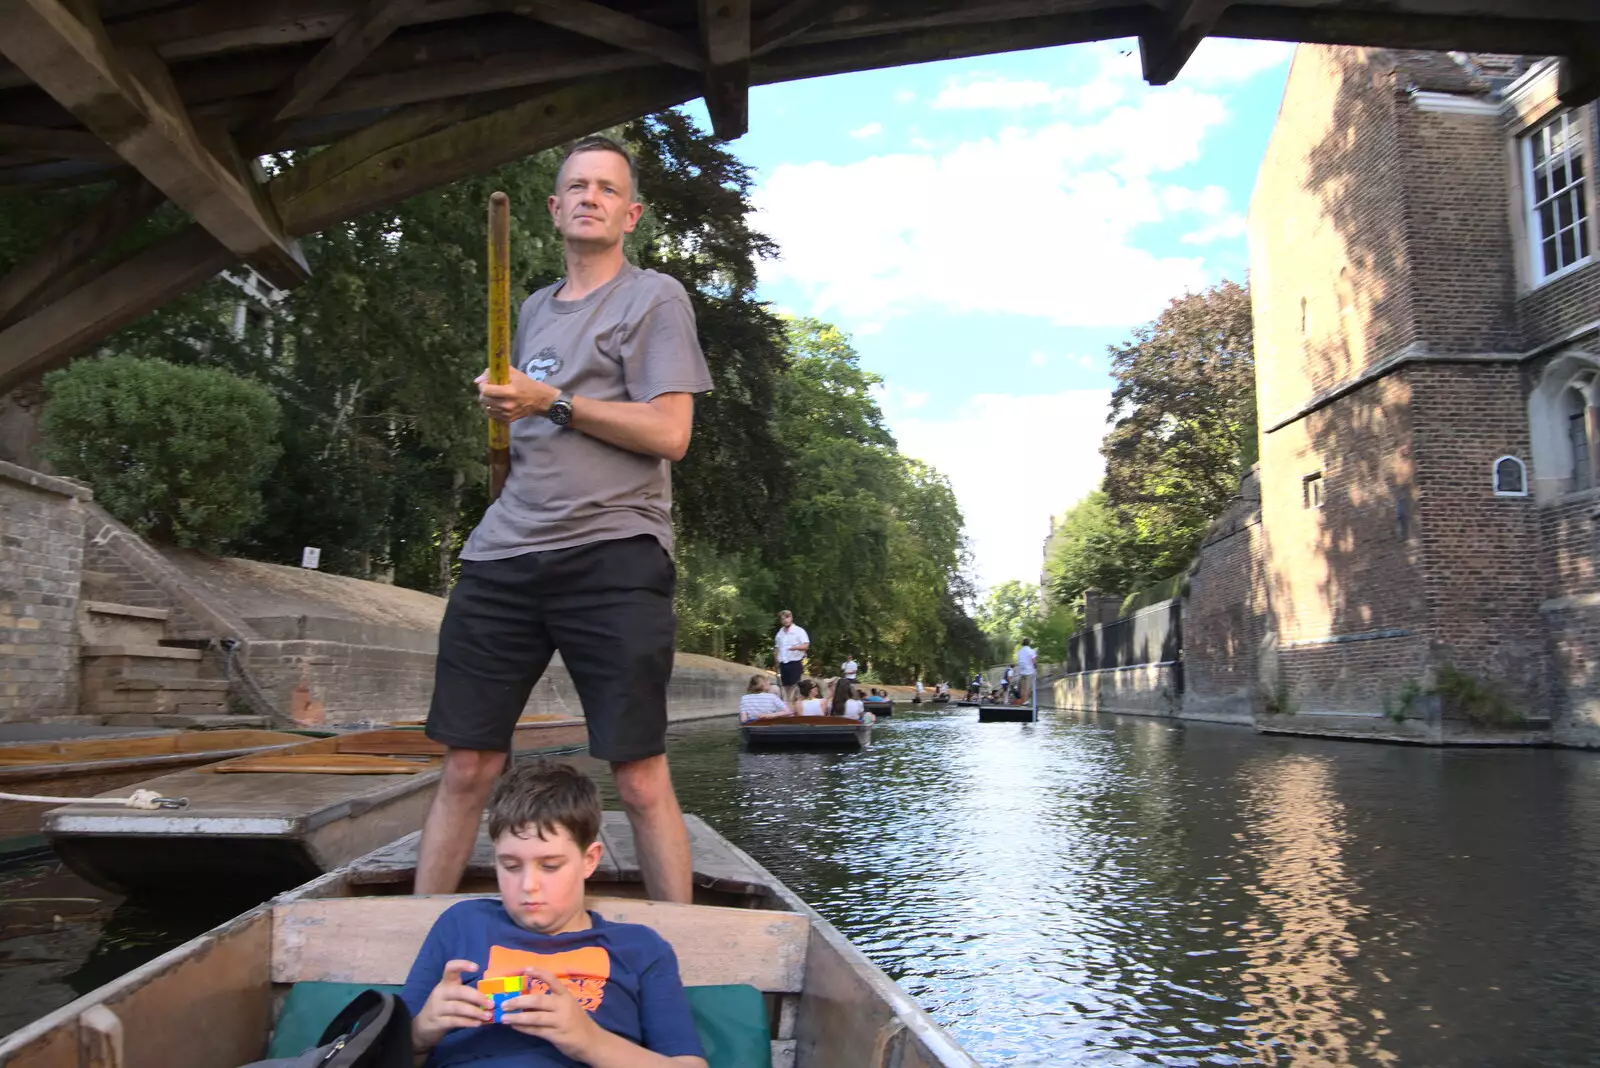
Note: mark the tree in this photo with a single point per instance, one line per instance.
(1093, 547)
(1009, 614)
(1184, 424)
(177, 453)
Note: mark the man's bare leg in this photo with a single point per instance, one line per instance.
(659, 835)
(452, 824)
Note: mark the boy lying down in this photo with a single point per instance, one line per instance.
(598, 993)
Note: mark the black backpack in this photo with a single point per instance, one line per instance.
(373, 1031)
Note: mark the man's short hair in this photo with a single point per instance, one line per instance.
(536, 798)
(786, 612)
(601, 143)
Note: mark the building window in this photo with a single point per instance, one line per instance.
(1311, 488)
(1510, 477)
(1556, 172)
(1576, 408)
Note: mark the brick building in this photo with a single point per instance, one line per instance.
(1427, 324)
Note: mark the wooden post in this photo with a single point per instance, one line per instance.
(499, 333)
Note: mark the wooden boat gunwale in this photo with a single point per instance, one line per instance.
(837, 731)
(45, 768)
(846, 1013)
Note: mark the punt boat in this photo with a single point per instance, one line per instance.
(1005, 714)
(84, 767)
(807, 732)
(273, 819)
(823, 1003)
(879, 708)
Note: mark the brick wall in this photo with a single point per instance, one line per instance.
(1479, 551)
(1329, 268)
(41, 554)
(1226, 614)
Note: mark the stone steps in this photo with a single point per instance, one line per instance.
(195, 721)
(109, 623)
(148, 685)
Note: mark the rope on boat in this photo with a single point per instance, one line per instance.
(145, 799)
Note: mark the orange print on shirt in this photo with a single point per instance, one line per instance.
(582, 971)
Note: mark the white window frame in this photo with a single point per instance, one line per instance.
(1577, 122)
(1307, 493)
(1494, 476)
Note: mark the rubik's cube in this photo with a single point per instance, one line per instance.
(502, 989)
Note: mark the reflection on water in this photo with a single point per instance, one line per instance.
(1103, 891)
(1120, 891)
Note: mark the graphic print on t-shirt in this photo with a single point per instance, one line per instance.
(542, 365)
(582, 971)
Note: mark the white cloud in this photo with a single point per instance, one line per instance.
(871, 129)
(1013, 462)
(904, 96)
(1038, 359)
(1227, 227)
(998, 93)
(1086, 362)
(885, 235)
(1226, 61)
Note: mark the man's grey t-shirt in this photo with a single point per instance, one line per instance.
(632, 339)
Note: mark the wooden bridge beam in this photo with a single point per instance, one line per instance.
(129, 101)
(1178, 32)
(725, 32)
(614, 28)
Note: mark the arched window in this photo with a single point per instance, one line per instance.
(1562, 416)
(1510, 477)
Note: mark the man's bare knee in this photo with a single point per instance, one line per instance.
(644, 785)
(471, 771)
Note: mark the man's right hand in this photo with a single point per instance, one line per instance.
(452, 1004)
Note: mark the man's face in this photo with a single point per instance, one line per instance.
(785, 619)
(541, 877)
(593, 202)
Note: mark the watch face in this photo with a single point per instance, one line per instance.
(560, 412)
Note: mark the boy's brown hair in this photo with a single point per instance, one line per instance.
(538, 797)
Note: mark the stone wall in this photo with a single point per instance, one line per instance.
(1143, 690)
(1226, 614)
(41, 555)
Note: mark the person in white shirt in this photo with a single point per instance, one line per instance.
(849, 668)
(759, 702)
(789, 652)
(1026, 658)
(917, 700)
(808, 700)
(842, 701)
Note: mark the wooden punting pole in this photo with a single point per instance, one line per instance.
(499, 333)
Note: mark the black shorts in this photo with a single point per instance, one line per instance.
(789, 672)
(605, 606)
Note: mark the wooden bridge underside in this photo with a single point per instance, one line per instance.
(176, 99)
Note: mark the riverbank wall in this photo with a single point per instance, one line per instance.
(100, 626)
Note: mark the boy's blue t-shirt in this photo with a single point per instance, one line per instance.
(626, 975)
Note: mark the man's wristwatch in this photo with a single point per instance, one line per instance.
(560, 410)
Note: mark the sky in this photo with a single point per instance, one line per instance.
(985, 228)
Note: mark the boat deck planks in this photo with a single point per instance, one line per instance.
(716, 867)
(277, 826)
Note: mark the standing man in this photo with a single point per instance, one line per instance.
(849, 668)
(1026, 658)
(789, 652)
(575, 554)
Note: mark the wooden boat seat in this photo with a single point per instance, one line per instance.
(375, 939)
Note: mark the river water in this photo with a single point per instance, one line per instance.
(1124, 891)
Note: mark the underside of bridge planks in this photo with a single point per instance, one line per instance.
(166, 100)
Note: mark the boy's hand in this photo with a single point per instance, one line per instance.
(553, 1015)
(452, 1004)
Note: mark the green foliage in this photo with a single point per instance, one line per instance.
(1183, 433)
(1053, 632)
(1483, 702)
(1008, 615)
(177, 453)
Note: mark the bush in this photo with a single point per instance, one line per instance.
(178, 453)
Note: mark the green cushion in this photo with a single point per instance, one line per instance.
(732, 1024)
(731, 1020)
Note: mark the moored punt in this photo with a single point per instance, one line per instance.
(830, 732)
(879, 708)
(1005, 714)
(825, 1005)
(941, 699)
(84, 767)
(276, 818)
